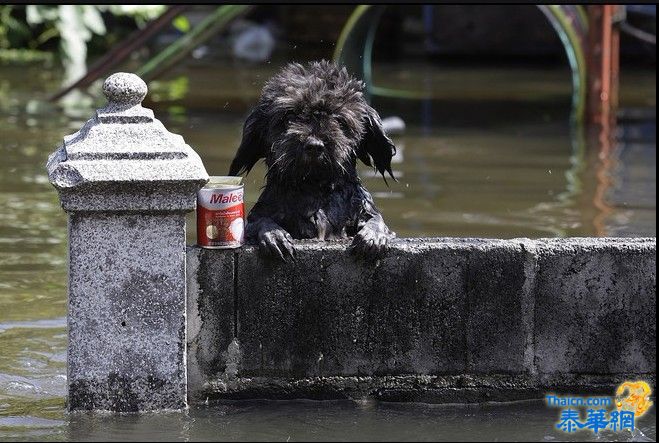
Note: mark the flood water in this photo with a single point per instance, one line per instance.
(492, 155)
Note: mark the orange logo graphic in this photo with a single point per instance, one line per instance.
(637, 399)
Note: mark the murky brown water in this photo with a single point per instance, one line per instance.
(488, 162)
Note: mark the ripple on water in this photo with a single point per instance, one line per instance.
(28, 421)
(12, 385)
(47, 323)
(27, 427)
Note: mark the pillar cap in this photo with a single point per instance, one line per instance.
(124, 88)
(124, 159)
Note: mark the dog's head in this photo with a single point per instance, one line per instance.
(312, 123)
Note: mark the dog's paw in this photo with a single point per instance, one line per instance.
(278, 243)
(370, 244)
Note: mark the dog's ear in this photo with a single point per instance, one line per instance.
(375, 148)
(252, 147)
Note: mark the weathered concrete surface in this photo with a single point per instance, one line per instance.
(466, 388)
(214, 305)
(126, 312)
(327, 316)
(596, 306)
(444, 310)
(126, 183)
(495, 292)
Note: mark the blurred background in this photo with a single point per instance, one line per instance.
(510, 121)
(490, 121)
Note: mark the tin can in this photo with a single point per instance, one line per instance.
(221, 213)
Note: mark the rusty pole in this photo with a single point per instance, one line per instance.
(603, 63)
(602, 102)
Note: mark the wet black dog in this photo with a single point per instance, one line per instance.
(311, 125)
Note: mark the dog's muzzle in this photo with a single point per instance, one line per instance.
(313, 146)
(313, 150)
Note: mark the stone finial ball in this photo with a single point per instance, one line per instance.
(124, 88)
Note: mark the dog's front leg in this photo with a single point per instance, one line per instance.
(372, 240)
(273, 240)
(373, 235)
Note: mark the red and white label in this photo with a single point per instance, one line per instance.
(220, 198)
(220, 217)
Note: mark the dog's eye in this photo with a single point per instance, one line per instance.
(342, 123)
(283, 119)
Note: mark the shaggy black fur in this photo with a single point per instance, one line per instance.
(311, 125)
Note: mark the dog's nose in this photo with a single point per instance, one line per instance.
(313, 144)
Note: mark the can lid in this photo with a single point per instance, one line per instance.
(224, 180)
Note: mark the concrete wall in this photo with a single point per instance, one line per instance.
(436, 320)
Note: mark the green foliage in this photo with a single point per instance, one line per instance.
(75, 25)
(24, 56)
(181, 23)
(140, 13)
(169, 90)
(65, 29)
(11, 29)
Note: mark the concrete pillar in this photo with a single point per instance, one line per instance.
(126, 184)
